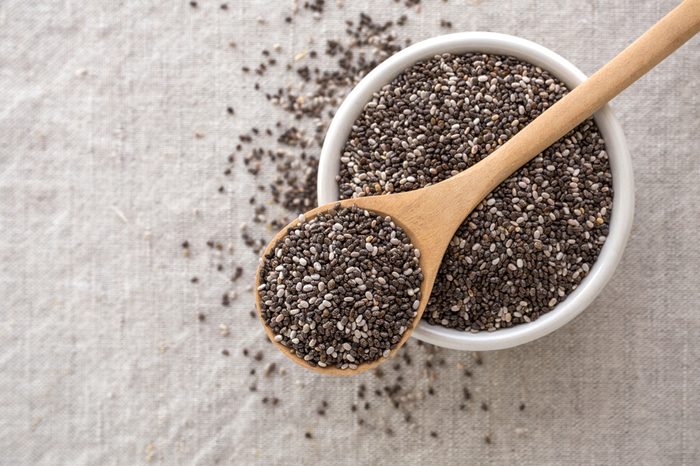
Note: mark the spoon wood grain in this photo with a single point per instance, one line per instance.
(430, 216)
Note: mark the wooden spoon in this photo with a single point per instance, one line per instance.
(430, 216)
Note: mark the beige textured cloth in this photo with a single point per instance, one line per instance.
(102, 357)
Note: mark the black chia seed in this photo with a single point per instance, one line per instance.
(341, 289)
(534, 238)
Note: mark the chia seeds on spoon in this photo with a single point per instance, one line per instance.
(533, 239)
(341, 289)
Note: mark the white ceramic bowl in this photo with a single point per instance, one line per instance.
(623, 185)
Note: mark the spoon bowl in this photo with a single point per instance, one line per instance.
(418, 241)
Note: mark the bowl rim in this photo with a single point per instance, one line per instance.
(616, 147)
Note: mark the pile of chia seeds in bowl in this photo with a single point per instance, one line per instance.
(342, 288)
(532, 240)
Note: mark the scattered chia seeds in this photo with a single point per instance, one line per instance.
(287, 150)
(311, 104)
(534, 238)
(341, 289)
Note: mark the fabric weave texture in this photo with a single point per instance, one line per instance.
(102, 177)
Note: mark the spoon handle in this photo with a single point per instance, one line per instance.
(672, 31)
